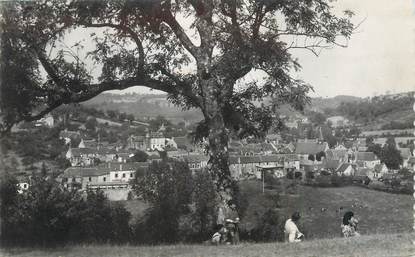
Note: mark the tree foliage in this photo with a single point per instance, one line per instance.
(139, 156)
(168, 187)
(390, 155)
(145, 43)
(47, 214)
(372, 109)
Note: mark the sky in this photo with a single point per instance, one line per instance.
(379, 59)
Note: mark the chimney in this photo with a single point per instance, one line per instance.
(120, 166)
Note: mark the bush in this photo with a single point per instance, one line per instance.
(270, 227)
(48, 214)
(338, 181)
(310, 175)
(290, 174)
(323, 181)
(298, 175)
(168, 186)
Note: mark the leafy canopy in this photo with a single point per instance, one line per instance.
(199, 52)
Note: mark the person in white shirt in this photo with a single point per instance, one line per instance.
(291, 229)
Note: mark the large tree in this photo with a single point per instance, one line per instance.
(199, 52)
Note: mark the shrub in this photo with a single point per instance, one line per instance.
(290, 174)
(48, 214)
(298, 175)
(168, 186)
(310, 175)
(338, 181)
(323, 181)
(270, 227)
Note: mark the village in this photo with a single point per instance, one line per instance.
(98, 164)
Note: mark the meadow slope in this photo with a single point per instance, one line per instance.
(392, 245)
(322, 209)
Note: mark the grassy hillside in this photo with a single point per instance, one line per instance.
(378, 212)
(392, 245)
(143, 106)
(320, 103)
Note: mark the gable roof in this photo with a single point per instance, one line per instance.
(273, 137)
(84, 172)
(182, 142)
(309, 147)
(333, 154)
(362, 172)
(342, 168)
(196, 158)
(250, 159)
(288, 157)
(134, 138)
(331, 164)
(365, 156)
(257, 148)
(116, 166)
(271, 158)
(69, 134)
(405, 152)
(104, 151)
(379, 167)
(82, 151)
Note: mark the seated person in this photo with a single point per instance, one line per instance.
(291, 229)
(349, 225)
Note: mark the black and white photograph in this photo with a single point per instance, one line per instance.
(197, 128)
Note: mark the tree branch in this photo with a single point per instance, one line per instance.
(133, 35)
(178, 30)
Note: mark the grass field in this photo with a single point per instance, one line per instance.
(392, 245)
(378, 212)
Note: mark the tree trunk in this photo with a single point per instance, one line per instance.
(219, 165)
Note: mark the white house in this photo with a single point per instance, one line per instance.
(45, 121)
(366, 159)
(380, 170)
(158, 143)
(81, 156)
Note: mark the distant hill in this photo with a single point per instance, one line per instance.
(144, 106)
(151, 105)
(320, 103)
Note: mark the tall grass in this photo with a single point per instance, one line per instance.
(374, 245)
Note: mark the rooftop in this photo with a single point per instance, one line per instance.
(310, 147)
(365, 156)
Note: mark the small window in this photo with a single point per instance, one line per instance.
(73, 179)
(123, 175)
(131, 175)
(104, 179)
(116, 175)
(24, 186)
(89, 179)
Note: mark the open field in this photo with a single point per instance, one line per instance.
(374, 245)
(322, 209)
(378, 212)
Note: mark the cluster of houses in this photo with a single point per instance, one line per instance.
(96, 164)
